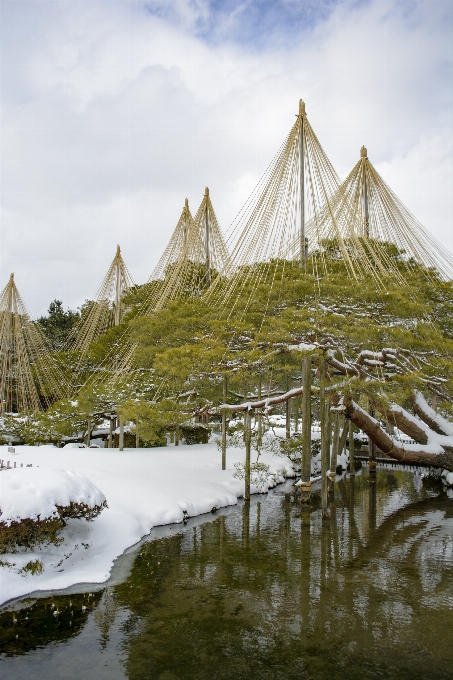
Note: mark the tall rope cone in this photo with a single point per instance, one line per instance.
(195, 253)
(299, 181)
(363, 218)
(106, 310)
(30, 380)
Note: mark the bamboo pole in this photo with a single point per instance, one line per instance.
(121, 439)
(207, 239)
(224, 422)
(306, 430)
(247, 440)
(351, 450)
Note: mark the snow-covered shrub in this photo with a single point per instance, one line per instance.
(36, 503)
(195, 433)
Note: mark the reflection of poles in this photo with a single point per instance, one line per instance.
(247, 441)
(351, 450)
(224, 422)
(306, 430)
(325, 438)
(305, 559)
(372, 493)
(246, 525)
(351, 514)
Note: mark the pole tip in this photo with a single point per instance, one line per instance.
(363, 152)
(206, 191)
(301, 107)
(186, 203)
(118, 250)
(11, 278)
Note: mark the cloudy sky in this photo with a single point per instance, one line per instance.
(114, 111)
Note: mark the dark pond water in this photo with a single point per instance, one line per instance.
(267, 590)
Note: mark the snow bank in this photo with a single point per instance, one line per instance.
(34, 493)
(144, 488)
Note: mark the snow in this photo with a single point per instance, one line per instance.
(144, 488)
(34, 493)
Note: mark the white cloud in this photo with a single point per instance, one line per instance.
(111, 115)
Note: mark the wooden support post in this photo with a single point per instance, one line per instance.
(334, 454)
(224, 422)
(351, 449)
(110, 440)
(371, 451)
(296, 414)
(176, 434)
(288, 409)
(137, 438)
(121, 441)
(259, 438)
(306, 431)
(247, 441)
(325, 439)
(88, 439)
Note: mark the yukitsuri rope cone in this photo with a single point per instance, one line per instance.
(276, 221)
(192, 259)
(30, 380)
(106, 310)
(375, 232)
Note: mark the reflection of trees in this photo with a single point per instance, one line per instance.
(51, 619)
(274, 591)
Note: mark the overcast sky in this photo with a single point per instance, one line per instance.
(114, 111)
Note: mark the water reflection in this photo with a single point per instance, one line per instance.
(277, 590)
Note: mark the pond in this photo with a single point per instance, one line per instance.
(270, 589)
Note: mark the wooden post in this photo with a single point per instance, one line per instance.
(137, 438)
(334, 454)
(296, 415)
(259, 438)
(371, 450)
(110, 440)
(288, 409)
(306, 430)
(224, 422)
(88, 439)
(121, 442)
(247, 441)
(351, 450)
(176, 435)
(325, 439)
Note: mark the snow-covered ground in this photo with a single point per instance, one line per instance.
(144, 488)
